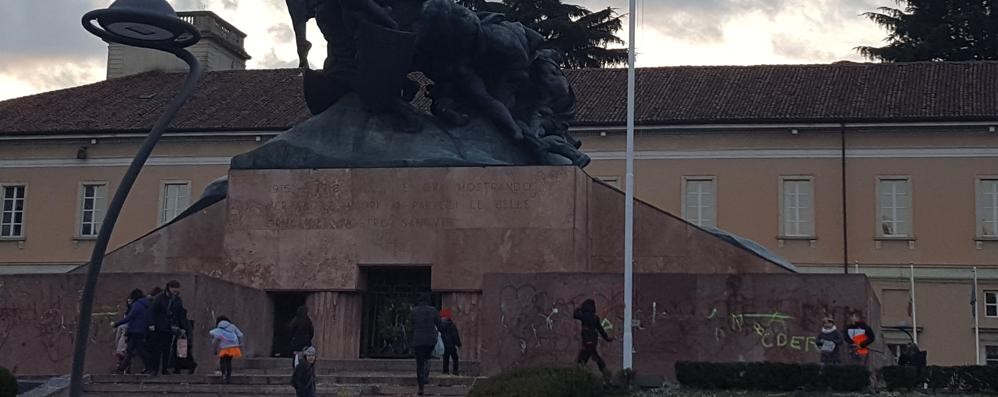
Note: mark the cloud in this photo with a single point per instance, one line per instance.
(32, 28)
(272, 61)
(281, 33)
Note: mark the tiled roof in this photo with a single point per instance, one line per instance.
(271, 99)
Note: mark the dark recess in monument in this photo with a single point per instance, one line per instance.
(389, 295)
(285, 306)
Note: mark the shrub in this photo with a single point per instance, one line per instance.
(771, 376)
(971, 378)
(8, 384)
(901, 378)
(540, 382)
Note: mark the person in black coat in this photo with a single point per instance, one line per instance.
(452, 340)
(167, 321)
(303, 379)
(592, 329)
(425, 323)
(302, 331)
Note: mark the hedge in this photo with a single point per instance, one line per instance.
(540, 382)
(8, 384)
(771, 376)
(971, 378)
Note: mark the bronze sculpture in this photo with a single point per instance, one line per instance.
(483, 69)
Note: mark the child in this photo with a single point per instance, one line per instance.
(592, 329)
(229, 338)
(303, 378)
(859, 336)
(829, 341)
(452, 340)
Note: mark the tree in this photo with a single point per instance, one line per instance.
(580, 35)
(936, 30)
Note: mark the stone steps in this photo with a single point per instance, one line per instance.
(470, 367)
(258, 385)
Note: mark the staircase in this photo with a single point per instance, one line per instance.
(261, 377)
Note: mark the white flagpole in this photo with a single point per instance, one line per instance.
(977, 324)
(629, 195)
(914, 317)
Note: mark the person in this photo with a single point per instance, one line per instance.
(425, 323)
(452, 341)
(303, 378)
(302, 332)
(183, 354)
(121, 331)
(229, 339)
(860, 336)
(166, 325)
(828, 341)
(592, 329)
(137, 321)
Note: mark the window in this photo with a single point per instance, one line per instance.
(610, 180)
(797, 208)
(93, 201)
(894, 207)
(987, 207)
(991, 355)
(12, 218)
(173, 199)
(991, 303)
(699, 202)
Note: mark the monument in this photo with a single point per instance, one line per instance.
(439, 158)
(493, 91)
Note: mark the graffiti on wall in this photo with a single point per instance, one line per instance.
(538, 322)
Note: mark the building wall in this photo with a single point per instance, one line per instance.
(942, 161)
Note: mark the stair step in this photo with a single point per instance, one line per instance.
(469, 367)
(204, 390)
(369, 378)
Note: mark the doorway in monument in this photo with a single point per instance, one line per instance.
(285, 306)
(389, 295)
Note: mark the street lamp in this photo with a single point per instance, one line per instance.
(149, 24)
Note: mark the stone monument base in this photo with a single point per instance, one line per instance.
(355, 245)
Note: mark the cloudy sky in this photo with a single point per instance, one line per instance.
(43, 46)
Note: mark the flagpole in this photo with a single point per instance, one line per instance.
(629, 195)
(914, 317)
(977, 324)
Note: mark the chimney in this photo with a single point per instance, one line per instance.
(220, 48)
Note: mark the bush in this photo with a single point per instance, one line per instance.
(8, 384)
(970, 378)
(771, 376)
(540, 382)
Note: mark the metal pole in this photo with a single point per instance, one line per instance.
(629, 197)
(977, 324)
(114, 209)
(914, 317)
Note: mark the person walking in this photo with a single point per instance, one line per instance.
(452, 341)
(121, 331)
(303, 379)
(592, 329)
(425, 323)
(229, 339)
(167, 312)
(828, 341)
(860, 336)
(137, 320)
(302, 332)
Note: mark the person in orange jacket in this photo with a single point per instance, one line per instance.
(859, 336)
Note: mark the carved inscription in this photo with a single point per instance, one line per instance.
(395, 210)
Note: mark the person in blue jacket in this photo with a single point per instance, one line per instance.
(138, 320)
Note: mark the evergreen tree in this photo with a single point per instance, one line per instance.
(580, 35)
(936, 30)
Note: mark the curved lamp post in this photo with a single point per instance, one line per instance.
(140, 23)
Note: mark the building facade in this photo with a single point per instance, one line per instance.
(861, 168)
